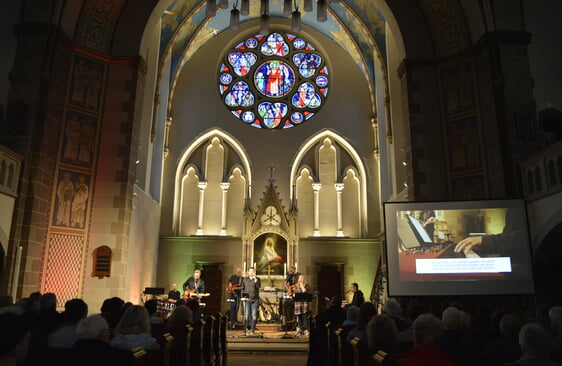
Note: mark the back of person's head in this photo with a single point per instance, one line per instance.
(93, 327)
(382, 333)
(416, 309)
(112, 305)
(391, 308)
(181, 314)
(48, 301)
(453, 318)
(134, 321)
(427, 330)
(555, 316)
(534, 340)
(366, 312)
(336, 301)
(352, 313)
(6, 300)
(74, 310)
(35, 301)
(13, 337)
(510, 325)
(151, 306)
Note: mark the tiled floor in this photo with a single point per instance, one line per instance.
(267, 359)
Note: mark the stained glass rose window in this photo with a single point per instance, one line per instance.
(273, 81)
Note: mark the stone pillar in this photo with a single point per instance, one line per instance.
(339, 189)
(316, 187)
(202, 186)
(224, 187)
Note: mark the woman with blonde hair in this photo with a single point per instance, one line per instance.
(133, 330)
(301, 307)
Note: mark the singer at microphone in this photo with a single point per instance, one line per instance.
(251, 288)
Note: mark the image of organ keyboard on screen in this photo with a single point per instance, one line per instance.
(413, 235)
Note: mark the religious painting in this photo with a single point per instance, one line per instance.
(71, 199)
(457, 88)
(468, 188)
(86, 83)
(270, 254)
(79, 139)
(463, 144)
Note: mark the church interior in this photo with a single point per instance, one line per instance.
(142, 140)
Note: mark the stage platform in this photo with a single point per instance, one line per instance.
(267, 338)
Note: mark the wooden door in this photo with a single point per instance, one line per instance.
(212, 274)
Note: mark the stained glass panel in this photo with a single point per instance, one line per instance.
(273, 81)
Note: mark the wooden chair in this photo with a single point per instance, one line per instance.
(180, 350)
(196, 347)
(208, 334)
(361, 355)
(223, 341)
(217, 350)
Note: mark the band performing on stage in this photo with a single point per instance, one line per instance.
(288, 305)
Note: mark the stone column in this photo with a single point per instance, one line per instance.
(202, 186)
(339, 189)
(224, 187)
(316, 187)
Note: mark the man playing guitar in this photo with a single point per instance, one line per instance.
(194, 287)
(291, 280)
(233, 290)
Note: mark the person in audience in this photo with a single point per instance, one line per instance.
(535, 342)
(14, 337)
(111, 310)
(427, 335)
(366, 312)
(133, 330)
(382, 335)
(555, 316)
(334, 314)
(507, 349)
(392, 309)
(455, 343)
(6, 300)
(92, 347)
(180, 317)
(65, 336)
(407, 335)
(350, 322)
(48, 321)
(151, 306)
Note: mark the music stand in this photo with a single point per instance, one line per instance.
(243, 300)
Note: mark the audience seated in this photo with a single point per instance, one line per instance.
(65, 336)
(536, 344)
(92, 347)
(555, 315)
(350, 322)
(111, 310)
(382, 335)
(507, 348)
(334, 314)
(180, 317)
(14, 337)
(407, 335)
(151, 306)
(427, 335)
(48, 321)
(133, 330)
(455, 343)
(366, 312)
(392, 309)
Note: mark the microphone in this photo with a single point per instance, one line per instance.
(348, 291)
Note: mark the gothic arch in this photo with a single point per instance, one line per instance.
(315, 142)
(209, 137)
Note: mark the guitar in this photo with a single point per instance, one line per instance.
(230, 289)
(189, 294)
(291, 290)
